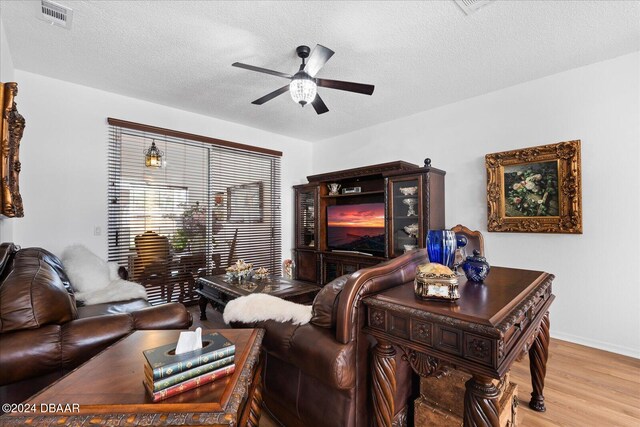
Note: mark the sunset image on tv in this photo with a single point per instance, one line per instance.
(368, 215)
(356, 227)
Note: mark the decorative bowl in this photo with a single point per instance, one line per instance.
(240, 270)
(231, 272)
(261, 273)
(411, 203)
(408, 191)
(412, 230)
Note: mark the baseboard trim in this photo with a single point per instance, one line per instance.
(601, 345)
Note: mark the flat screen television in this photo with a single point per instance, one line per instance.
(356, 227)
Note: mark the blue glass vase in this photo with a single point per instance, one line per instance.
(441, 246)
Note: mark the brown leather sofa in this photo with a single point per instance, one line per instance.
(43, 334)
(318, 374)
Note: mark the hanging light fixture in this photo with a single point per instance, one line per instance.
(303, 88)
(153, 156)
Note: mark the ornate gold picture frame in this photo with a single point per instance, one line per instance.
(536, 189)
(11, 129)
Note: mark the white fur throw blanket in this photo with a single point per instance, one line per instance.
(258, 307)
(94, 280)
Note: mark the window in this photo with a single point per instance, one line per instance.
(210, 203)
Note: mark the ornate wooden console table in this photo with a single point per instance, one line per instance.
(484, 332)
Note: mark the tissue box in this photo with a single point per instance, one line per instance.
(167, 373)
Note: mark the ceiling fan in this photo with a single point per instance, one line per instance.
(304, 84)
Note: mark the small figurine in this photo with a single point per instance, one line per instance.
(334, 188)
(287, 268)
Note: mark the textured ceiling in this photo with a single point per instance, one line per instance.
(419, 55)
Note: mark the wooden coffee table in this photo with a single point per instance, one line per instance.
(108, 389)
(218, 290)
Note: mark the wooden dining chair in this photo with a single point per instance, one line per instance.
(219, 266)
(152, 264)
(475, 241)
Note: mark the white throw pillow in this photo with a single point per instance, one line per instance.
(87, 271)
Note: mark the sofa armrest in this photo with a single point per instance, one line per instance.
(28, 353)
(369, 281)
(116, 307)
(171, 315)
(84, 338)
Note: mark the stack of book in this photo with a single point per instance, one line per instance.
(167, 374)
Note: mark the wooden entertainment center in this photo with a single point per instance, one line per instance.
(388, 187)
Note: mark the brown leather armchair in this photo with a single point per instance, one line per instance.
(43, 335)
(318, 374)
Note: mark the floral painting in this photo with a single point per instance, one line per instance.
(535, 189)
(531, 189)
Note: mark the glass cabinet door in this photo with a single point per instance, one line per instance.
(306, 221)
(405, 212)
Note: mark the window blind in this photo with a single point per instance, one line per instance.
(208, 205)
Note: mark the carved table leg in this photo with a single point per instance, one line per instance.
(383, 384)
(538, 355)
(256, 407)
(202, 302)
(480, 403)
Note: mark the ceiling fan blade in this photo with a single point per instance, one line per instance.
(261, 70)
(317, 59)
(270, 96)
(348, 86)
(319, 105)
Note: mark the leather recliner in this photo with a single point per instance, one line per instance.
(44, 335)
(318, 374)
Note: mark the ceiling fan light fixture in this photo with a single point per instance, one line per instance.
(303, 85)
(302, 88)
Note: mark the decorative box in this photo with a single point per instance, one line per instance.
(350, 190)
(441, 401)
(436, 282)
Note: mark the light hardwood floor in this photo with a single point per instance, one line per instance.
(584, 387)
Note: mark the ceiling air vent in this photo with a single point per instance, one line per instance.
(55, 14)
(471, 6)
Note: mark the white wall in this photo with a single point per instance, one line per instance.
(6, 63)
(6, 75)
(597, 282)
(64, 159)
